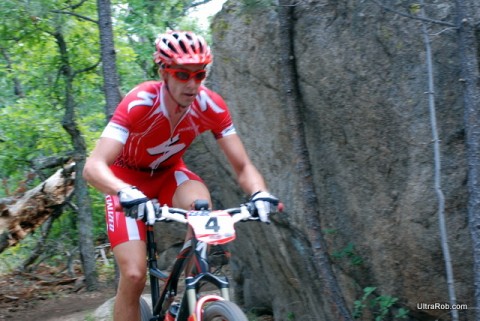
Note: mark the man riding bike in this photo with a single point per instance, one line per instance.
(139, 156)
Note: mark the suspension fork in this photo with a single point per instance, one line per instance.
(199, 269)
(152, 264)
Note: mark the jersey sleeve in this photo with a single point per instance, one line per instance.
(132, 111)
(215, 108)
(115, 131)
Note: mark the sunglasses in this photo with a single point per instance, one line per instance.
(185, 75)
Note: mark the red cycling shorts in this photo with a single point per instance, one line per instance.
(160, 185)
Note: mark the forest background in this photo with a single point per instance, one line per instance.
(55, 101)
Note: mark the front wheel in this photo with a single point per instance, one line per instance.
(145, 310)
(223, 311)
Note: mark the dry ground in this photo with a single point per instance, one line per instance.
(46, 296)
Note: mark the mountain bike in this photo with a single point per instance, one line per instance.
(211, 228)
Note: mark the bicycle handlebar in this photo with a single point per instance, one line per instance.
(242, 213)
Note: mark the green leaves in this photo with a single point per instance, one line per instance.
(382, 307)
(32, 82)
(350, 253)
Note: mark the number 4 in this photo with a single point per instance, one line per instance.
(212, 224)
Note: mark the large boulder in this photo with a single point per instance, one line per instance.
(362, 78)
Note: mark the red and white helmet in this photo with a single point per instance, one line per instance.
(180, 48)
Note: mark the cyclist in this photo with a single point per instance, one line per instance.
(139, 156)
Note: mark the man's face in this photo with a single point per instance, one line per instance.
(184, 81)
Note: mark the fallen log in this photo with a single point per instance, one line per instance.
(19, 217)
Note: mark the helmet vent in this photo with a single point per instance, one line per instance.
(181, 48)
(182, 45)
(165, 53)
(172, 47)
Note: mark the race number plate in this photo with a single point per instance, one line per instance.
(214, 227)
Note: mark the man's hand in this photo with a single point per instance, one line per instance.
(265, 203)
(136, 205)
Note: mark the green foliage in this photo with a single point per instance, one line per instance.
(415, 8)
(11, 257)
(138, 23)
(27, 133)
(32, 87)
(381, 306)
(291, 316)
(57, 248)
(349, 252)
(253, 6)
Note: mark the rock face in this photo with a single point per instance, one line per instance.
(362, 76)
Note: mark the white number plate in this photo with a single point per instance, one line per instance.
(214, 227)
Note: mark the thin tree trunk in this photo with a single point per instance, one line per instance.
(18, 89)
(41, 241)
(294, 104)
(84, 222)
(110, 75)
(438, 172)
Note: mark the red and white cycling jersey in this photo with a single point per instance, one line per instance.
(141, 122)
(151, 159)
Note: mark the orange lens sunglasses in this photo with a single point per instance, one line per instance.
(184, 75)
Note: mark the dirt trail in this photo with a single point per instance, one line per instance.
(27, 297)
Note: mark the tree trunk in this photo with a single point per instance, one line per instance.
(438, 170)
(20, 217)
(85, 228)
(110, 76)
(294, 104)
(84, 222)
(40, 247)
(18, 89)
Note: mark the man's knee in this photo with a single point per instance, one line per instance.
(189, 192)
(131, 259)
(134, 275)
(133, 279)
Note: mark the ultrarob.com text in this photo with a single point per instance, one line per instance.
(441, 306)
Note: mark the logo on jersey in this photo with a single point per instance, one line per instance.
(204, 100)
(167, 149)
(146, 99)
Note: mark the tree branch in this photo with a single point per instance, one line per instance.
(437, 172)
(421, 18)
(18, 90)
(78, 5)
(75, 15)
(87, 69)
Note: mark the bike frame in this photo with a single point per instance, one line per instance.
(194, 254)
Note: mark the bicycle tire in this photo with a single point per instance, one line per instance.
(145, 310)
(223, 311)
